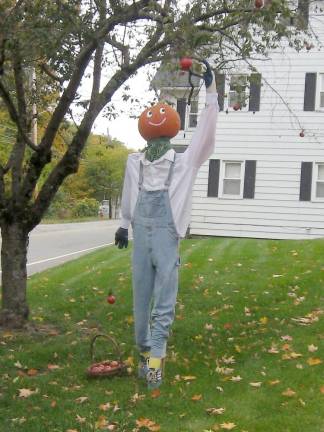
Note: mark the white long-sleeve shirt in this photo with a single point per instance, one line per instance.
(185, 170)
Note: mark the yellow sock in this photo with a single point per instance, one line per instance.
(155, 363)
(145, 354)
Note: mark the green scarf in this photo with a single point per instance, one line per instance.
(156, 148)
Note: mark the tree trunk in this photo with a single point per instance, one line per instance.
(14, 312)
(110, 208)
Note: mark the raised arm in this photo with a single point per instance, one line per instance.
(202, 143)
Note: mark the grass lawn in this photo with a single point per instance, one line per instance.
(247, 345)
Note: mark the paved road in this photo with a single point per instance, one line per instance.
(54, 244)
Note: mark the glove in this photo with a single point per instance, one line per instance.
(121, 238)
(209, 78)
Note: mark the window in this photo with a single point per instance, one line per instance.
(192, 113)
(238, 92)
(321, 92)
(314, 91)
(231, 179)
(319, 181)
(232, 175)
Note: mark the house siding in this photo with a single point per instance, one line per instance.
(271, 138)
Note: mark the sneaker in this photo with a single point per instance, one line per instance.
(143, 368)
(154, 378)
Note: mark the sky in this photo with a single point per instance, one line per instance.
(124, 128)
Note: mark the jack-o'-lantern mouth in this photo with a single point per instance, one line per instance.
(157, 124)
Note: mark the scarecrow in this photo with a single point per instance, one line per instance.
(156, 201)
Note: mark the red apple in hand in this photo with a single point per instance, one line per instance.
(258, 4)
(111, 298)
(185, 63)
(236, 106)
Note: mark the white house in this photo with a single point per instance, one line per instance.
(266, 176)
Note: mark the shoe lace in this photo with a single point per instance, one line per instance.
(154, 375)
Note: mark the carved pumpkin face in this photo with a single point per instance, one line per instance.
(158, 121)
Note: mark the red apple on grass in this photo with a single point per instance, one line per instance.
(258, 4)
(111, 298)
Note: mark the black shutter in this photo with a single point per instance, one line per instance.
(181, 108)
(255, 92)
(305, 193)
(303, 12)
(220, 84)
(310, 92)
(249, 179)
(213, 177)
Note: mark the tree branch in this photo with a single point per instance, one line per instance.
(37, 162)
(14, 115)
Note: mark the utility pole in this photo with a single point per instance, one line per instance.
(34, 107)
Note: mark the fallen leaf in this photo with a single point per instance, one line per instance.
(289, 392)
(72, 430)
(188, 378)
(322, 389)
(274, 382)
(53, 404)
(148, 424)
(196, 397)
(129, 361)
(81, 399)
(236, 378)
(25, 393)
(101, 423)
(32, 372)
(53, 366)
(255, 384)
(313, 361)
(291, 356)
(105, 407)
(155, 393)
(263, 320)
(215, 411)
(80, 419)
(228, 426)
(312, 348)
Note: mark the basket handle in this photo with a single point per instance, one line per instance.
(111, 339)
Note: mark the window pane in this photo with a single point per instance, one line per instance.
(231, 187)
(232, 170)
(322, 99)
(320, 175)
(319, 190)
(322, 81)
(194, 106)
(192, 120)
(238, 90)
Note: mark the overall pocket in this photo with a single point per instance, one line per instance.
(152, 207)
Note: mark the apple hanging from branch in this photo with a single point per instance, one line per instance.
(258, 4)
(185, 63)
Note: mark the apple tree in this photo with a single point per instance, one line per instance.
(50, 48)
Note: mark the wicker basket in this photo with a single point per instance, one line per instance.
(108, 367)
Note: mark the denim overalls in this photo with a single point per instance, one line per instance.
(155, 267)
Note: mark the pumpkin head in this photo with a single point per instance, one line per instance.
(160, 120)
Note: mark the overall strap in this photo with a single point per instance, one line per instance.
(170, 174)
(141, 176)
